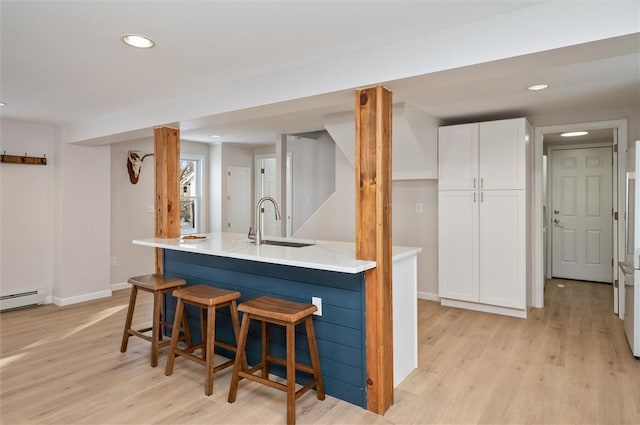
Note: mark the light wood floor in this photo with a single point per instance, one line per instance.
(567, 363)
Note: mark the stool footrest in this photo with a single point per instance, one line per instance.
(149, 338)
(277, 385)
(188, 353)
(283, 362)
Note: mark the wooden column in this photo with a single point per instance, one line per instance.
(167, 200)
(373, 238)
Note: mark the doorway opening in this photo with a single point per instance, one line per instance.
(579, 209)
(543, 210)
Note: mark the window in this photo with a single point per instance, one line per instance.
(190, 194)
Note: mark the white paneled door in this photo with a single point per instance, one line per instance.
(581, 213)
(238, 199)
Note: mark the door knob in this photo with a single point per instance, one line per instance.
(556, 221)
(556, 212)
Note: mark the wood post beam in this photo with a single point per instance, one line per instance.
(373, 238)
(167, 191)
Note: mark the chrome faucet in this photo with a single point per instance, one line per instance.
(258, 221)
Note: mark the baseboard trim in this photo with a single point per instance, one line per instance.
(428, 296)
(81, 298)
(119, 286)
(486, 308)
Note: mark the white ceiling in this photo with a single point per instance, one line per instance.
(63, 62)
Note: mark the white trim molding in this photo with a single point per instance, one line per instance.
(81, 298)
(428, 296)
(119, 286)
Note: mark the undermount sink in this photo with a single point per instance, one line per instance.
(291, 244)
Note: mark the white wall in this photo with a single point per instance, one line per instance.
(129, 202)
(411, 228)
(81, 222)
(129, 217)
(26, 209)
(335, 220)
(313, 166)
(54, 225)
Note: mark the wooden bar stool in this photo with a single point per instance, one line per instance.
(158, 285)
(287, 314)
(207, 298)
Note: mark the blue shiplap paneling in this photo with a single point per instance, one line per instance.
(339, 331)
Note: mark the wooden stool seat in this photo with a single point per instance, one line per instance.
(156, 282)
(288, 314)
(206, 298)
(158, 285)
(206, 295)
(277, 309)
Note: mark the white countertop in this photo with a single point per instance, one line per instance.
(324, 255)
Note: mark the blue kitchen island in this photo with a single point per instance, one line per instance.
(325, 270)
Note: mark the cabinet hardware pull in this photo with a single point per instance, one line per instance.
(481, 182)
(474, 197)
(481, 196)
(474, 182)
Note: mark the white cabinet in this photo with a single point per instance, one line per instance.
(482, 216)
(489, 155)
(458, 244)
(458, 152)
(502, 234)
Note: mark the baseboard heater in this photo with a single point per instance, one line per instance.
(23, 299)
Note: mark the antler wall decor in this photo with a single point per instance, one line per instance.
(134, 164)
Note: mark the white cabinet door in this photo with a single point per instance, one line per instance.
(502, 159)
(458, 157)
(503, 248)
(458, 245)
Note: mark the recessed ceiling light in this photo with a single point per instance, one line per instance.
(215, 136)
(538, 87)
(574, 133)
(139, 41)
(3, 104)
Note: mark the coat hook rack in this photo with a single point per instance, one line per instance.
(24, 159)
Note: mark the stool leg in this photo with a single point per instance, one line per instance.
(234, 320)
(265, 350)
(315, 358)
(185, 327)
(291, 374)
(203, 332)
(155, 331)
(161, 318)
(127, 322)
(175, 332)
(211, 338)
(233, 307)
(240, 360)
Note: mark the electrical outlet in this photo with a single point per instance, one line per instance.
(150, 209)
(418, 207)
(318, 303)
(113, 261)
